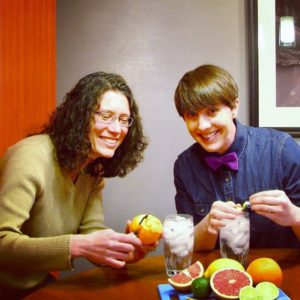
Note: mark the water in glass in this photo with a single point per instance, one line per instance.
(235, 237)
(178, 236)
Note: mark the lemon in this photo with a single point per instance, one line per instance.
(201, 287)
(222, 263)
(249, 293)
(267, 290)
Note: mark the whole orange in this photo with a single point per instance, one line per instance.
(265, 269)
(146, 227)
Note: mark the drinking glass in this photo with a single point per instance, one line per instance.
(235, 237)
(178, 237)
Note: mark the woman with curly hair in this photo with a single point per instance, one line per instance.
(51, 183)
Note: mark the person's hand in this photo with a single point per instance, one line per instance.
(105, 247)
(275, 205)
(220, 212)
(142, 251)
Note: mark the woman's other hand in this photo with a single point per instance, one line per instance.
(105, 247)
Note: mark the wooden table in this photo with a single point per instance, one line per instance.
(140, 280)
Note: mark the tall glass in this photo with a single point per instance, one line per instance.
(235, 237)
(178, 237)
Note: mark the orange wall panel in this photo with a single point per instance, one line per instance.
(27, 67)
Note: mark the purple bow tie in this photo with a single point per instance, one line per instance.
(230, 160)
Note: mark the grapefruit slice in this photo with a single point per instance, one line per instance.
(227, 283)
(196, 270)
(182, 281)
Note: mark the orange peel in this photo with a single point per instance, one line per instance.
(147, 228)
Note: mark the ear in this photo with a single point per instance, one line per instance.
(235, 108)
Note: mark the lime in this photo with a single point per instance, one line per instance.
(249, 293)
(267, 290)
(246, 205)
(201, 287)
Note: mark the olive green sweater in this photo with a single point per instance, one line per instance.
(40, 208)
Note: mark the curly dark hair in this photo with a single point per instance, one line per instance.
(69, 127)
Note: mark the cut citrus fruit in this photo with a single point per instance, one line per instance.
(227, 283)
(222, 263)
(182, 281)
(196, 270)
(265, 269)
(146, 227)
(201, 287)
(249, 293)
(267, 290)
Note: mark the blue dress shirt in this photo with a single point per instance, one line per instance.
(268, 160)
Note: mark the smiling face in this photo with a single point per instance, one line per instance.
(106, 138)
(213, 127)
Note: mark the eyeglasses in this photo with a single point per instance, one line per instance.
(107, 117)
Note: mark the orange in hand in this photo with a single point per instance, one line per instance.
(146, 227)
(265, 269)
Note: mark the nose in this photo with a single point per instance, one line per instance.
(115, 126)
(203, 122)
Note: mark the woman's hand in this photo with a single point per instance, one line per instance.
(105, 247)
(220, 212)
(142, 251)
(275, 205)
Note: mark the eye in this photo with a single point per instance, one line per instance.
(124, 120)
(190, 115)
(212, 110)
(105, 116)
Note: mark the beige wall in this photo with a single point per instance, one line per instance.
(152, 44)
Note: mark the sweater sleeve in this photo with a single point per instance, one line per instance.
(21, 182)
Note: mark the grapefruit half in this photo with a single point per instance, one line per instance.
(227, 283)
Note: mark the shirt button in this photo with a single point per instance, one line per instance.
(202, 209)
